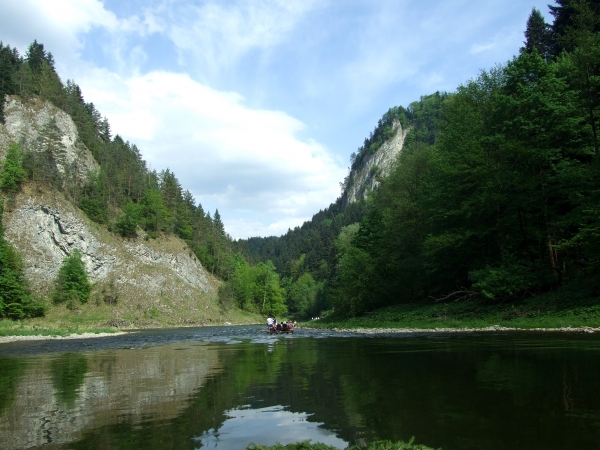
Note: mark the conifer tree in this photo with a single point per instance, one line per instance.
(72, 282)
(12, 170)
(537, 34)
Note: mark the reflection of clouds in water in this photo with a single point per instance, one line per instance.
(266, 426)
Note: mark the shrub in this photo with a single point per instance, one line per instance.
(72, 282)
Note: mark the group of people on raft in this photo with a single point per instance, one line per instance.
(287, 326)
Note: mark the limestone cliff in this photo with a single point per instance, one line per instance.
(156, 281)
(362, 180)
(28, 121)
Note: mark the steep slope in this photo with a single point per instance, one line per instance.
(31, 122)
(141, 281)
(362, 180)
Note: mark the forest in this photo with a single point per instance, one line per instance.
(495, 195)
(124, 194)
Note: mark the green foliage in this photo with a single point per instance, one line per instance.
(253, 288)
(126, 224)
(72, 284)
(13, 174)
(501, 201)
(92, 201)
(538, 34)
(304, 445)
(15, 298)
(302, 296)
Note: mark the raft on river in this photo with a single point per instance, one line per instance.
(285, 327)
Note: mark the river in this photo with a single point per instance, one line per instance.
(224, 387)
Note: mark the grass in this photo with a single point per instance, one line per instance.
(571, 308)
(37, 328)
(95, 317)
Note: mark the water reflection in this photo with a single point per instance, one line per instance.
(267, 426)
(10, 369)
(450, 391)
(68, 372)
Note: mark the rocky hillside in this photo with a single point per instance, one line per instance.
(30, 122)
(362, 180)
(138, 282)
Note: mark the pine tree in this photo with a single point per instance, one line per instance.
(571, 16)
(538, 34)
(72, 282)
(12, 174)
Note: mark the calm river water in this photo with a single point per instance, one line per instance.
(225, 387)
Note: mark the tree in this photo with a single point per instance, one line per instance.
(72, 283)
(538, 34)
(15, 298)
(573, 16)
(127, 223)
(12, 170)
(10, 62)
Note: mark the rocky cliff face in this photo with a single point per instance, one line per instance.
(30, 122)
(363, 180)
(46, 228)
(150, 277)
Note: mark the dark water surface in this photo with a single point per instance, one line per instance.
(223, 387)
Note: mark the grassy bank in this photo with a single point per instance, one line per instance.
(550, 310)
(38, 328)
(93, 318)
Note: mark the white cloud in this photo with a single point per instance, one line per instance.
(242, 160)
(56, 23)
(215, 35)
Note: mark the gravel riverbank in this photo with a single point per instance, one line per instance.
(39, 337)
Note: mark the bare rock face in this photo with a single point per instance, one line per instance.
(46, 229)
(150, 277)
(48, 235)
(31, 122)
(363, 180)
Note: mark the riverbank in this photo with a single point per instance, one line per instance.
(96, 320)
(577, 312)
(42, 337)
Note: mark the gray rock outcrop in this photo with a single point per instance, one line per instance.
(30, 122)
(362, 181)
(46, 229)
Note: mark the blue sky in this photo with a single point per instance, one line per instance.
(257, 105)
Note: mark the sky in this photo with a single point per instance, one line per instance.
(256, 105)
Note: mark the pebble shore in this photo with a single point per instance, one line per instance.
(39, 337)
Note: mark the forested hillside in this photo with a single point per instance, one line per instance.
(495, 194)
(117, 191)
(124, 193)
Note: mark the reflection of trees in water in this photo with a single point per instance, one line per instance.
(68, 372)
(453, 392)
(10, 369)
